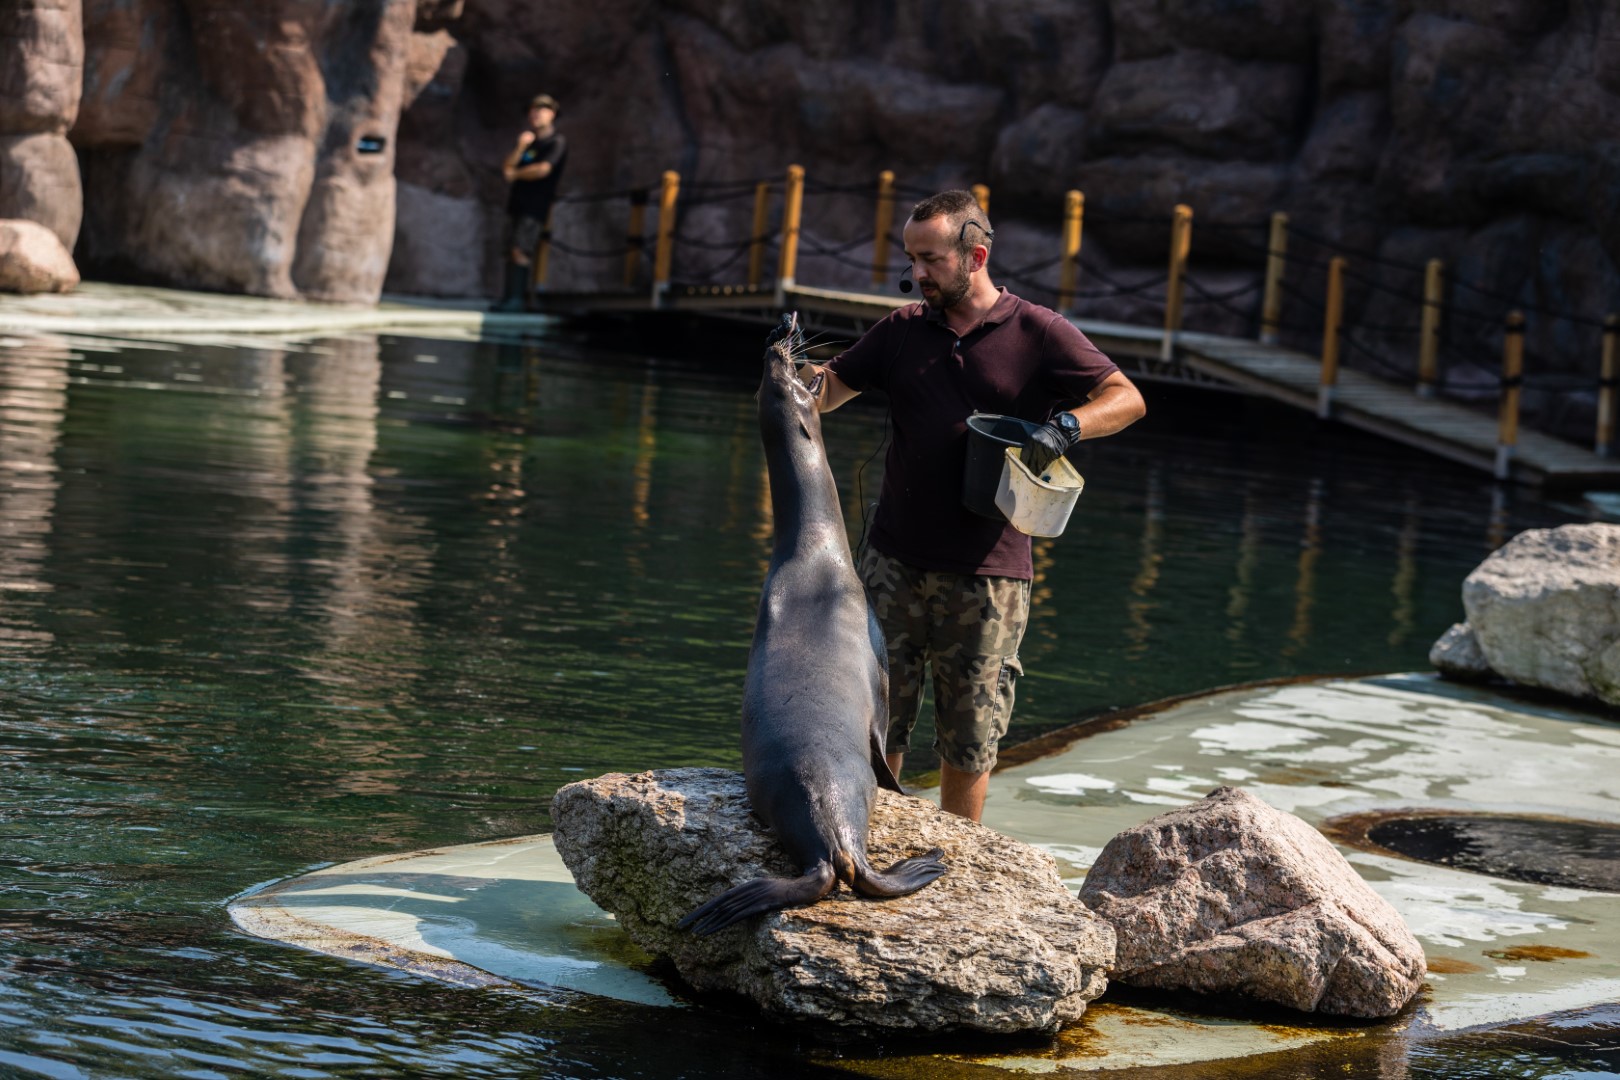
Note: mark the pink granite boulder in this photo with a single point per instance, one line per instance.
(1231, 896)
(33, 260)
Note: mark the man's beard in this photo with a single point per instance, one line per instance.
(950, 293)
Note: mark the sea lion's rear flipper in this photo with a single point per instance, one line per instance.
(880, 767)
(761, 894)
(902, 879)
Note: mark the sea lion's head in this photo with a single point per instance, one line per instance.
(785, 402)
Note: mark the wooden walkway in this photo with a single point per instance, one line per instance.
(1433, 425)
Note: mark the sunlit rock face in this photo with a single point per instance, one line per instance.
(41, 69)
(1231, 896)
(997, 944)
(240, 146)
(1545, 609)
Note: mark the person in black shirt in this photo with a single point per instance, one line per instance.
(533, 168)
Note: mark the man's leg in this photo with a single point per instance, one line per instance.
(962, 793)
(978, 628)
(523, 233)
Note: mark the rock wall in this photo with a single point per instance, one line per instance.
(218, 141)
(225, 145)
(41, 69)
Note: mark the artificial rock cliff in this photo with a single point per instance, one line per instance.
(218, 141)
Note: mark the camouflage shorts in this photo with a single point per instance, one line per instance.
(967, 628)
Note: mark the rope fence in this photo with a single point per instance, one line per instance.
(1299, 292)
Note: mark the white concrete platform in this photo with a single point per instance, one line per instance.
(506, 914)
(100, 308)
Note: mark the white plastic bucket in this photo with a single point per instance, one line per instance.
(1037, 505)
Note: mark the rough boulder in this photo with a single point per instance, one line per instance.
(998, 944)
(33, 260)
(1457, 655)
(1544, 610)
(1231, 896)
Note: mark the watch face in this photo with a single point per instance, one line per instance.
(1067, 422)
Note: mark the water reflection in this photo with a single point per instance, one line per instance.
(33, 402)
(1310, 551)
(1150, 557)
(1406, 573)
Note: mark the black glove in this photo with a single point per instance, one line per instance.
(783, 329)
(1046, 444)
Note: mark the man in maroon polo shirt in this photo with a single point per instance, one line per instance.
(950, 587)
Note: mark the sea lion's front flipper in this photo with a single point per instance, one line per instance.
(903, 878)
(880, 766)
(761, 894)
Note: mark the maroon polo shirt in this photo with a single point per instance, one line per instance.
(1024, 360)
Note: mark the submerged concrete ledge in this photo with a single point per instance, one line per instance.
(136, 310)
(505, 913)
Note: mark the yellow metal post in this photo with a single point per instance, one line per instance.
(542, 255)
(982, 193)
(756, 245)
(1330, 337)
(665, 253)
(635, 237)
(1507, 428)
(1429, 329)
(880, 228)
(1276, 259)
(1074, 210)
(1180, 246)
(1608, 386)
(792, 207)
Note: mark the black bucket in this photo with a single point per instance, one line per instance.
(989, 435)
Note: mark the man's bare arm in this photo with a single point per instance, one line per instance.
(1114, 405)
(834, 391)
(509, 167)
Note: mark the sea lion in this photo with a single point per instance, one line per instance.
(815, 702)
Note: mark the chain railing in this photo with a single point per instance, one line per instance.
(1274, 253)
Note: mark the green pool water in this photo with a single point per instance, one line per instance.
(265, 607)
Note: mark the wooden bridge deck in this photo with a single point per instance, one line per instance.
(1445, 428)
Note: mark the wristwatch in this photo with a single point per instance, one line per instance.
(1067, 423)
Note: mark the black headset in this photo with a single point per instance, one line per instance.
(905, 284)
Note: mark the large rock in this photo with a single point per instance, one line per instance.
(41, 76)
(997, 944)
(33, 260)
(41, 65)
(1545, 608)
(1457, 655)
(1231, 896)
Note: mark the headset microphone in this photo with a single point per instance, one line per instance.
(905, 286)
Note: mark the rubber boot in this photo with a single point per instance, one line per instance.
(517, 283)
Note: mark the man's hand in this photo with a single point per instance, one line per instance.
(1046, 444)
(524, 139)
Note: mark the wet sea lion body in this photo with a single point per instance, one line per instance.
(815, 702)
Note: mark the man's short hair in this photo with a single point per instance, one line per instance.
(961, 210)
(544, 101)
